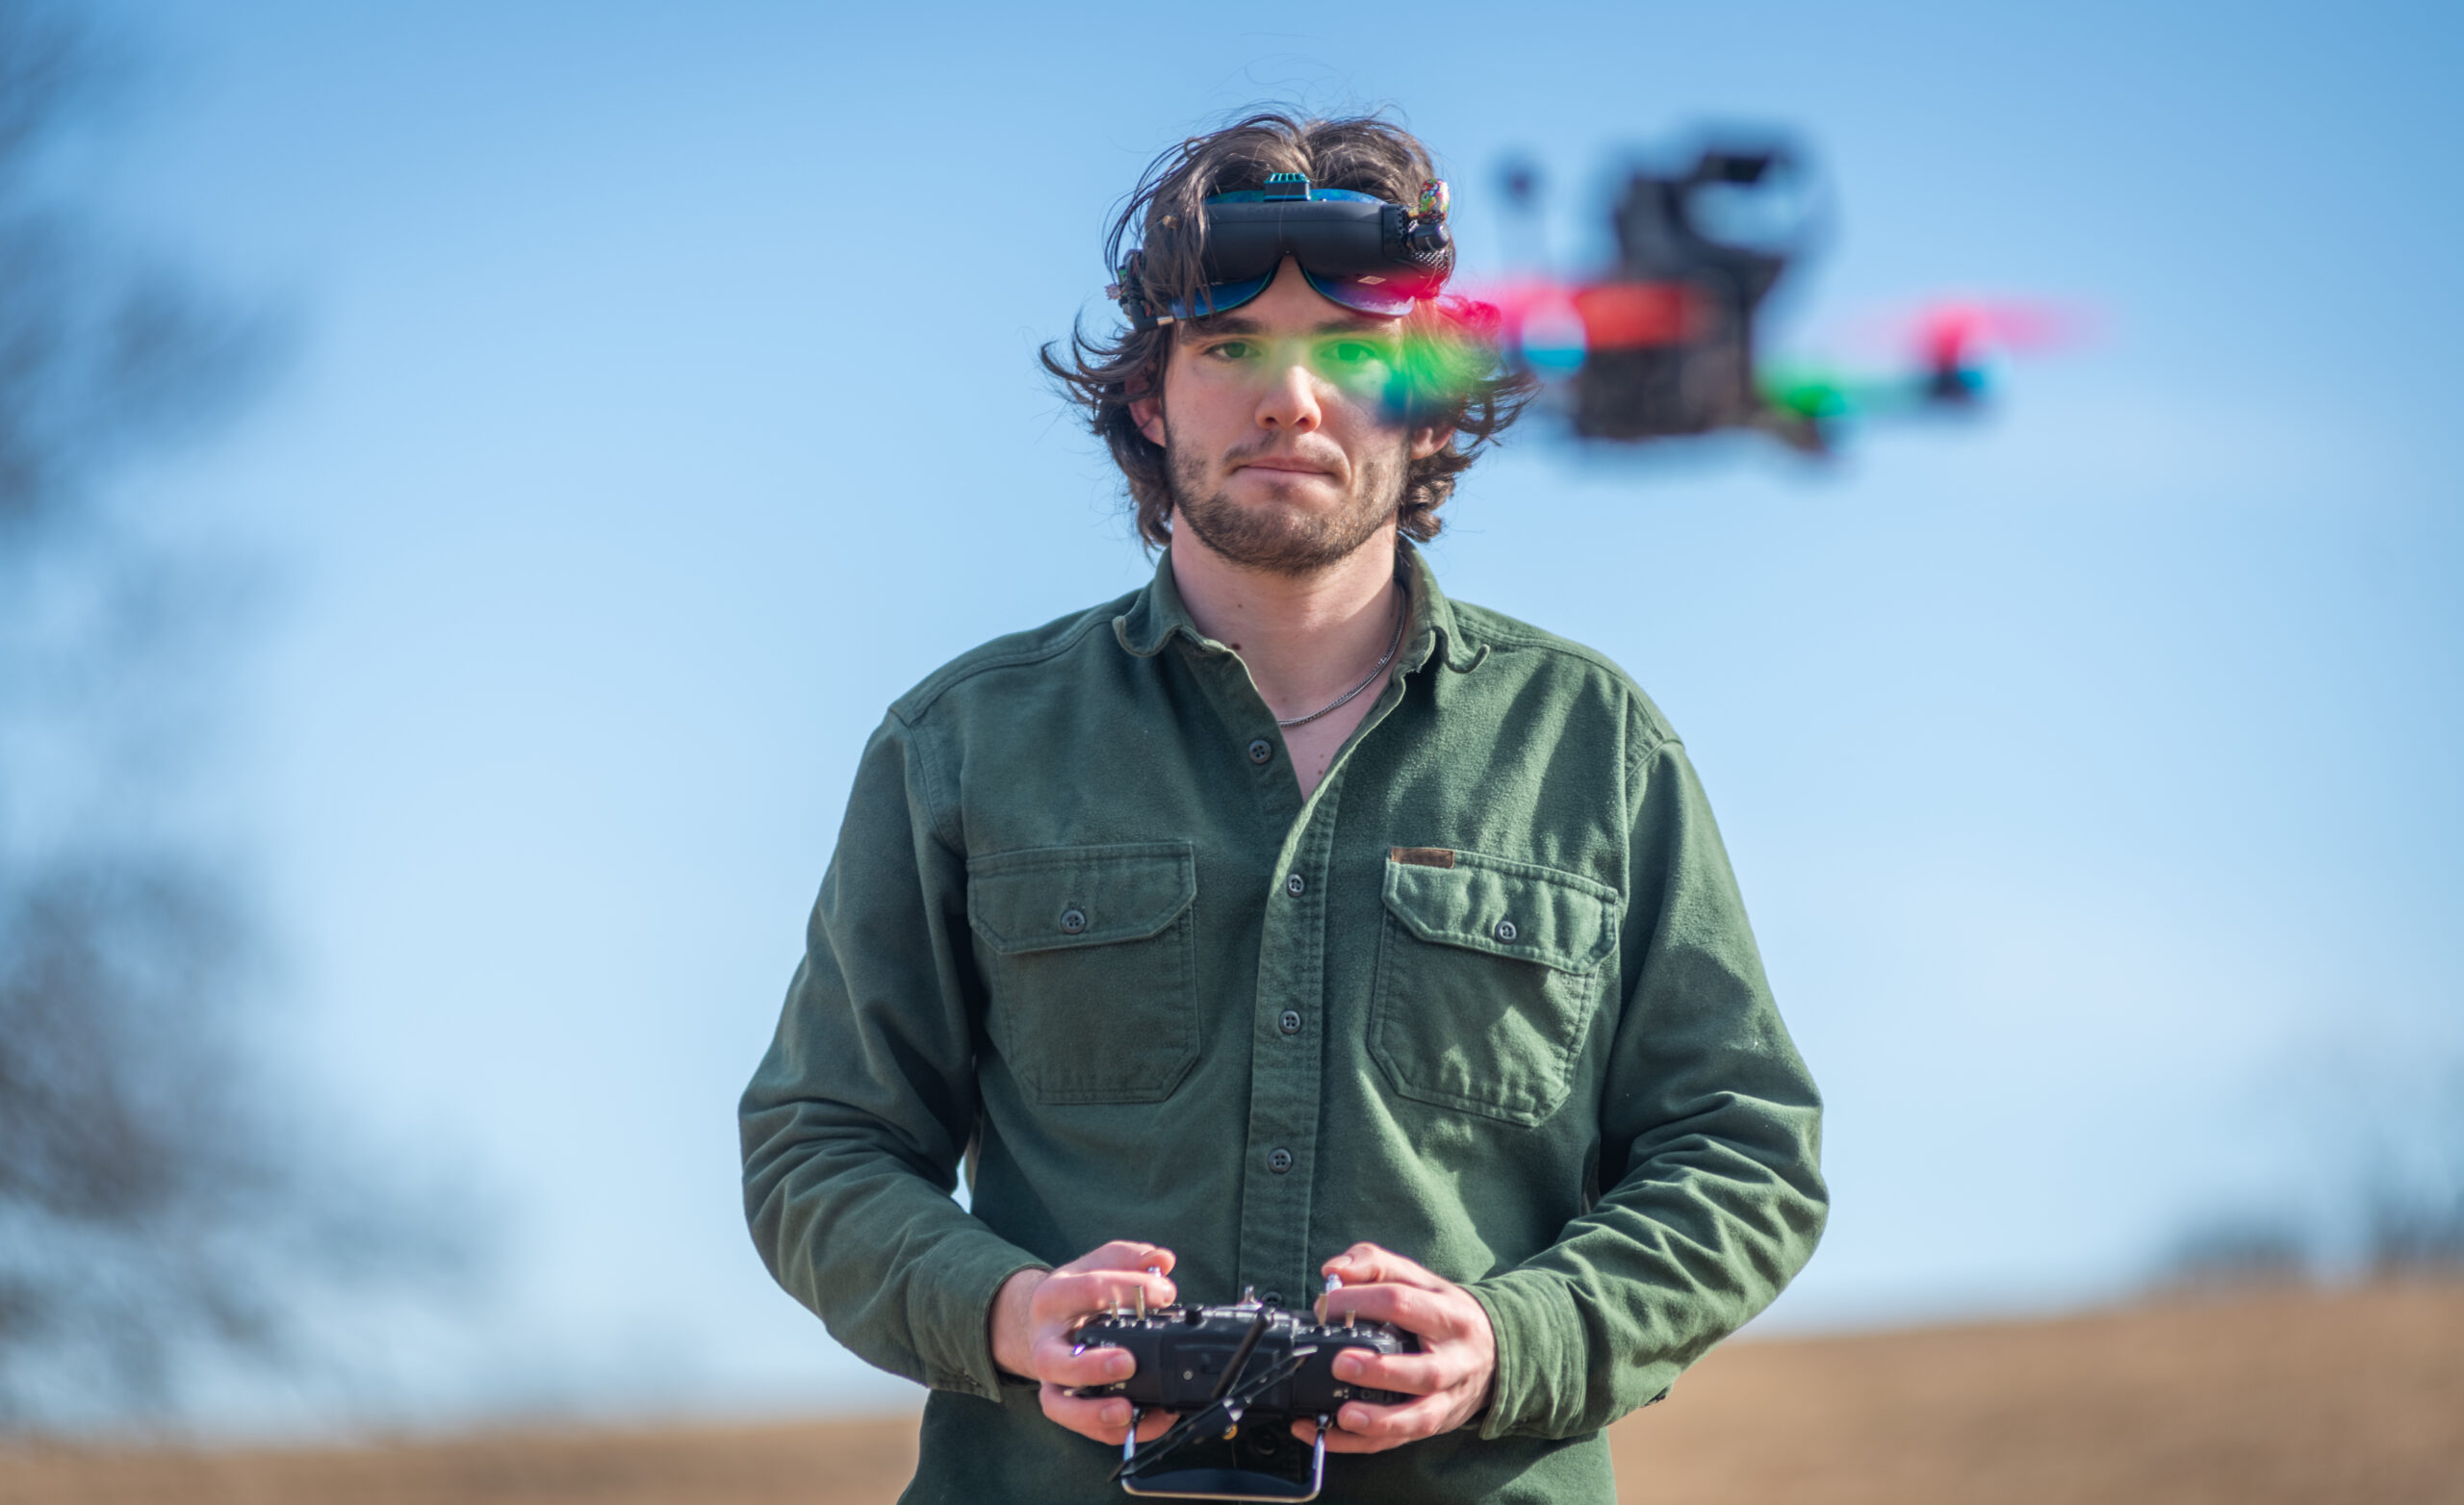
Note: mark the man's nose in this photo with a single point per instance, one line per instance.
(1290, 399)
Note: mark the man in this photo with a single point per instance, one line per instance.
(1284, 919)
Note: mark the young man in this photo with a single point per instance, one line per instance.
(1284, 919)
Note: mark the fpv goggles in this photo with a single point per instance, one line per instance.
(1356, 249)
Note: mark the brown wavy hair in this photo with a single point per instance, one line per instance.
(1467, 391)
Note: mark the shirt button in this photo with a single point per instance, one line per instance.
(1506, 932)
(1290, 1023)
(1072, 921)
(1261, 751)
(1279, 1162)
(1295, 885)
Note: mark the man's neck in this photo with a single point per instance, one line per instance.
(1306, 639)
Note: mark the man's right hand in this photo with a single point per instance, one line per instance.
(1036, 1311)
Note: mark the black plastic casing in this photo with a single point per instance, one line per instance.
(1333, 238)
(1182, 1351)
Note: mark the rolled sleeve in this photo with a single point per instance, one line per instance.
(1539, 1381)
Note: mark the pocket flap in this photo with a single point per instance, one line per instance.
(1504, 909)
(1050, 897)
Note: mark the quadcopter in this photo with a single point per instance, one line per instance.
(1663, 344)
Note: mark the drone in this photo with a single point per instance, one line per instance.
(1663, 344)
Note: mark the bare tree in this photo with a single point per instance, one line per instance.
(2372, 1178)
(155, 1200)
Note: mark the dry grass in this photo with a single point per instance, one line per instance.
(2252, 1399)
(2255, 1399)
(823, 1462)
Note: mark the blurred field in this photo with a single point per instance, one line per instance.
(2254, 1398)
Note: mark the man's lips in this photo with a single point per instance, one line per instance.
(1289, 465)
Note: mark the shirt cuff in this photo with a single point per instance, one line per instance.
(1538, 1389)
(953, 1313)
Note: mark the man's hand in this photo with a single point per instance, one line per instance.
(1450, 1374)
(1036, 1311)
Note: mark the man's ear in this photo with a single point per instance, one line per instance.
(1426, 440)
(1147, 413)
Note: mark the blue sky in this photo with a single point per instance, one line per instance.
(663, 404)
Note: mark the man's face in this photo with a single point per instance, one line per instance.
(1283, 453)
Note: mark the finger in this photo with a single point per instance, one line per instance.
(1060, 1299)
(1058, 1361)
(1422, 1311)
(1385, 1426)
(1105, 1418)
(1067, 1297)
(1369, 1429)
(1368, 1264)
(1340, 1441)
(1360, 1253)
(1123, 1253)
(1414, 1374)
(1337, 1441)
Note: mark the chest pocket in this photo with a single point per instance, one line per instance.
(1090, 963)
(1488, 975)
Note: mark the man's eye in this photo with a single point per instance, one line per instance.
(1230, 349)
(1354, 352)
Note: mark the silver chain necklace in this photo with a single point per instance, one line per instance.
(1349, 696)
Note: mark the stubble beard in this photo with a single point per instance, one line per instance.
(1279, 540)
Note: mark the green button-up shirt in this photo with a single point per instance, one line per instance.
(1486, 997)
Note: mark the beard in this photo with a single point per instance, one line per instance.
(1281, 539)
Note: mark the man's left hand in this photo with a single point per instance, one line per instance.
(1450, 1374)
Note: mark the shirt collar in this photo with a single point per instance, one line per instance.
(1158, 614)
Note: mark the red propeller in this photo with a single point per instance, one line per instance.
(1951, 334)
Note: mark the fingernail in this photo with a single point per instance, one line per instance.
(1120, 1365)
(1116, 1415)
(1348, 1366)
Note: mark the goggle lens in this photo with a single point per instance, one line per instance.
(1353, 292)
